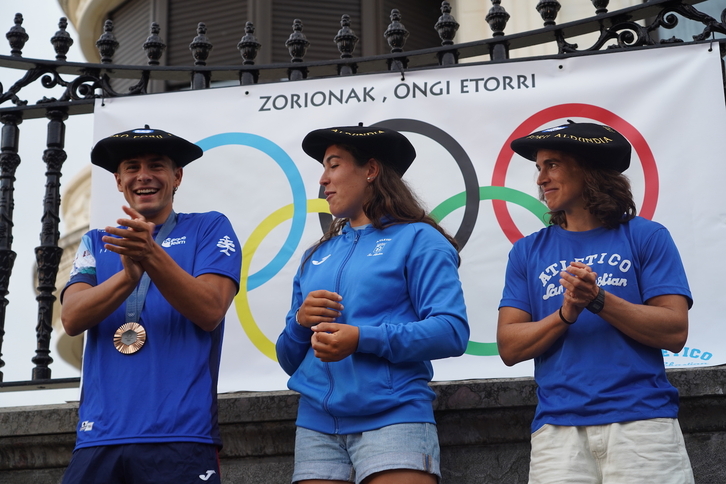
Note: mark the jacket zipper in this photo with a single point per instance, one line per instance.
(338, 277)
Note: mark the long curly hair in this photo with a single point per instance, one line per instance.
(606, 194)
(391, 202)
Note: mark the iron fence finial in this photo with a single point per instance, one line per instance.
(154, 45)
(497, 18)
(548, 11)
(201, 46)
(346, 38)
(447, 25)
(248, 46)
(601, 6)
(61, 41)
(107, 43)
(297, 44)
(396, 33)
(17, 36)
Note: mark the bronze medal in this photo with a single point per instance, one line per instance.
(129, 338)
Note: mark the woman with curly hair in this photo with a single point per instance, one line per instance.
(593, 298)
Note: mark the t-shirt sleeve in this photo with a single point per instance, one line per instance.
(661, 268)
(516, 292)
(84, 265)
(218, 250)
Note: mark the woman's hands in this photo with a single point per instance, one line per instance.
(319, 307)
(331, 341)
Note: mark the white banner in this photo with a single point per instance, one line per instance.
(668, 102)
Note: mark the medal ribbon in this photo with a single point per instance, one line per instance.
(135, 301)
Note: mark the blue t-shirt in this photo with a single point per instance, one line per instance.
(594, 374)
(167, 391)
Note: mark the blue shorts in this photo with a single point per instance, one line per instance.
(168, 463)
(354, 457)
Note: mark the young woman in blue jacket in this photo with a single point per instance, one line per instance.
(374, 300)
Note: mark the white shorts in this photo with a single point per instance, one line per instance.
(640, 452)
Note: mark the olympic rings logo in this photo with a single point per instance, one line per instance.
(469, 199)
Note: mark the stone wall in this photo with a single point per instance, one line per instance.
(483, 428)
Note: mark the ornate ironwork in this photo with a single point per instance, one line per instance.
(107, 43)
(248, 47)
(396, 35)
(17, 36)
(9, 162)
(83, 82)
(497, 19)
(631, 34)
(600, 6)
(346, 41)
(200, 47)
(548, 10)
(48, 254)
(61, 41)
(446, 27)
(154, 45)
(712, 25)
(297, 44)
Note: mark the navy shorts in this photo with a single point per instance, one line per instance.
(168, 463)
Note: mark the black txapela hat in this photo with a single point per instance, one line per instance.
(111, 151)
(386, 145)
(596, 143)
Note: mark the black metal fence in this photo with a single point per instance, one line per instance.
(634, 27)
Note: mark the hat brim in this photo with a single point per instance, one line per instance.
(385, 145)
(110, 152)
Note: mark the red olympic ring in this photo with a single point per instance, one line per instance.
(650, 170)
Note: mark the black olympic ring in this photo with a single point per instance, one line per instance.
(471, 182)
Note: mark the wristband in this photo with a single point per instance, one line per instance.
(564, 320)
(597, 304)
(296, 320)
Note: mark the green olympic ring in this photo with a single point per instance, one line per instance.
(491, 193)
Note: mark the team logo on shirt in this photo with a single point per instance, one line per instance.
(86, 426)
(378, 250)
(168, 242)
(318, 262)
(601, 262)
(226, 244)
(85, 261)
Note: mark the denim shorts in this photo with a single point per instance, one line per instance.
(353, 457)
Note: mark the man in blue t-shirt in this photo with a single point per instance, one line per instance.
(151, 295)
(593, 298)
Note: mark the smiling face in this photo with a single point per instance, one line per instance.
(561, 181)
(346, 184)
(148, 183)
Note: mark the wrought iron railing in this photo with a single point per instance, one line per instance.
(628, 28)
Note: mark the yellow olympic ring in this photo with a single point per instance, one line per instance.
(241, 303)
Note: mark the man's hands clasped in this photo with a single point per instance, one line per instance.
(134, 244)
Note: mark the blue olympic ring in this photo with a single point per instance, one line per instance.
(299, 198)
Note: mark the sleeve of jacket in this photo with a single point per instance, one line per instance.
(442, 331)
(294, 341)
